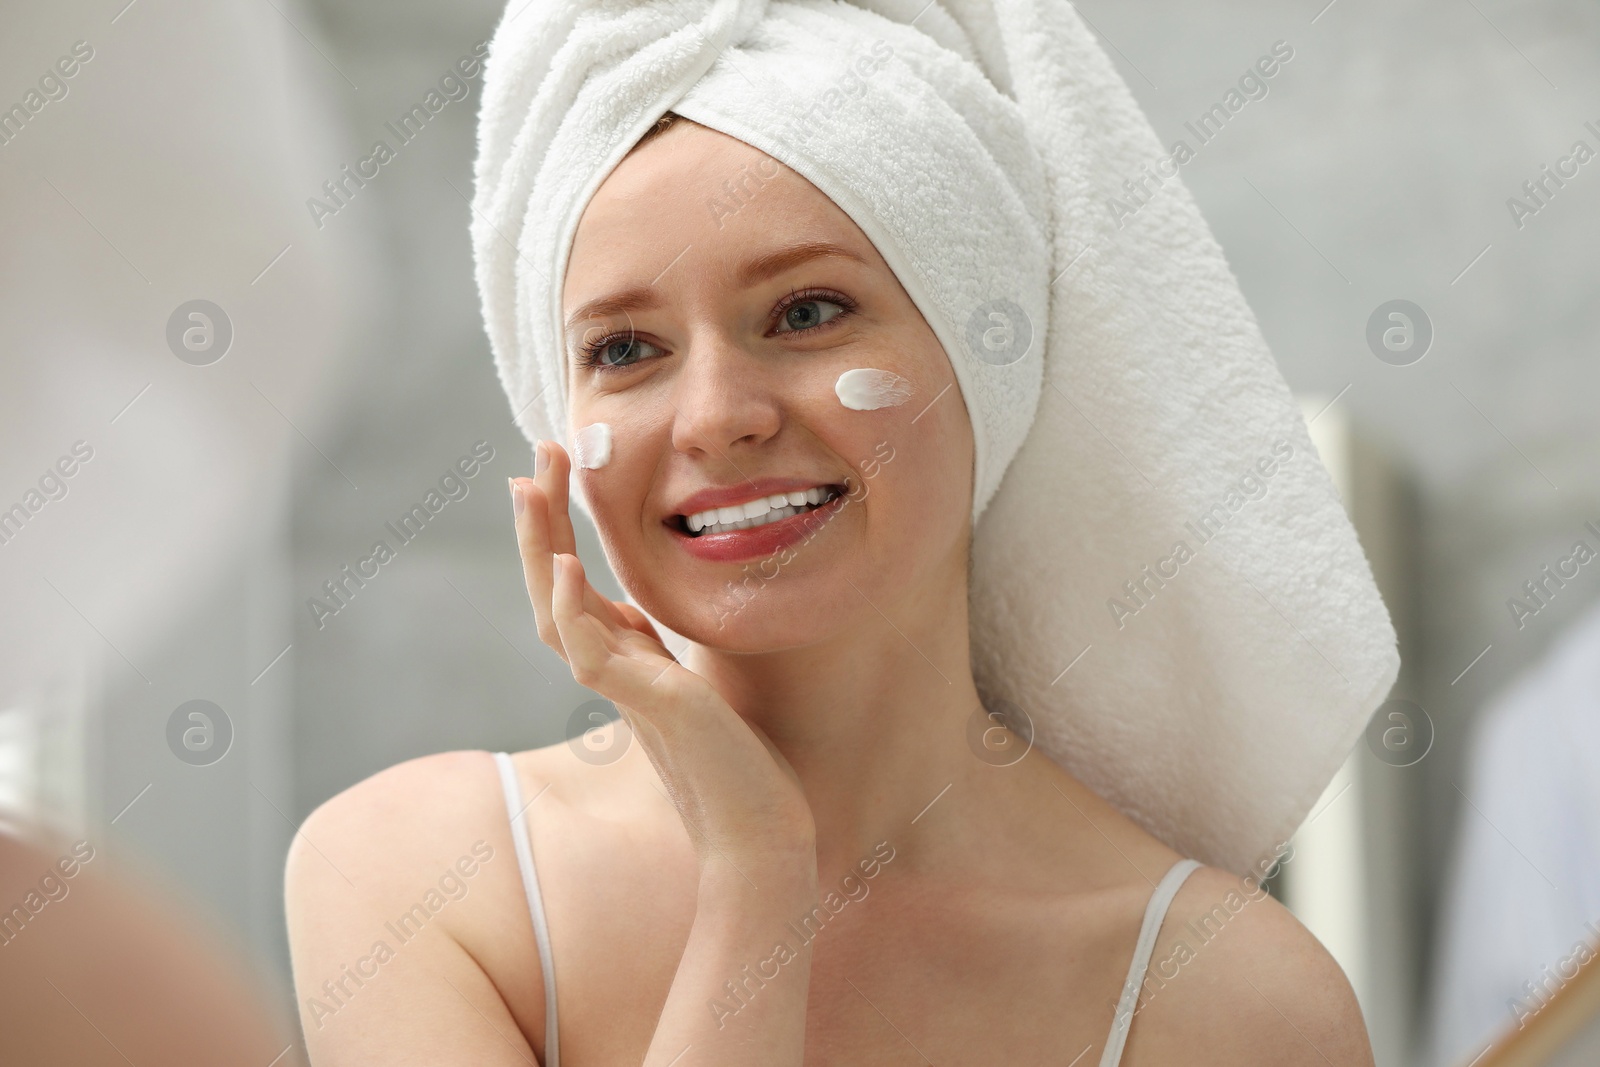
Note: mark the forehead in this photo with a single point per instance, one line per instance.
(694, 192)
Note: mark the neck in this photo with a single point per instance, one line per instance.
(873, 719)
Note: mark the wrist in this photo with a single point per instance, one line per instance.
(785, 876)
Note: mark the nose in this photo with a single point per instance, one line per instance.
(725, 400)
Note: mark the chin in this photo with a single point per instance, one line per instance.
(764, 625)
(787, 611)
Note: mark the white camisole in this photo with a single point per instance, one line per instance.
(1154, 913)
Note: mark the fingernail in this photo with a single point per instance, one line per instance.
(540, 460)
(555, 568)
(518, 498)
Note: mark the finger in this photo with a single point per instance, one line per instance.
(556, 480)
(638, 620)
(604, 608)
(587, 640)
(613, 663)
(533, 543)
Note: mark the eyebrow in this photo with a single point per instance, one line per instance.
(644, 297)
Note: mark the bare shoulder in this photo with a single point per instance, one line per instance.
(616, 868)
(1235, 977)
(384, 885)
(398, 822)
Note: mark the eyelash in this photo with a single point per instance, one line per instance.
(589, 354)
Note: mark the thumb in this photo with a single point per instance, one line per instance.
(638, 620)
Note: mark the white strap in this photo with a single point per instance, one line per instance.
(1154, 913)
(530, 885)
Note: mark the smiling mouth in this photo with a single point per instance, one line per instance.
(722, 520)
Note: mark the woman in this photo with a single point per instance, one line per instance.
(808, 850)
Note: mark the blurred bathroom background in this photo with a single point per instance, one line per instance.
(252, 377)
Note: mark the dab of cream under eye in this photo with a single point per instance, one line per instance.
(592, 446)
(867, 389)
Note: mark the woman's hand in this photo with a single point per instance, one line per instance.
(737, 795)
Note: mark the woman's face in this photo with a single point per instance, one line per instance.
(715, 366)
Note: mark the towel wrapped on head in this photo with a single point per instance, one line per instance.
(1166, 594)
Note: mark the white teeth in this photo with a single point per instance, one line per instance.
(756, 512)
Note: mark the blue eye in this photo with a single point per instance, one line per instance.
(613, 351)
(798, 313)
(807, 313)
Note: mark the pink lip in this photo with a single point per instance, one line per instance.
(758, 541)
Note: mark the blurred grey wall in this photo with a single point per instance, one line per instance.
(152, 156)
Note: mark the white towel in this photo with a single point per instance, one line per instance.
(1123, 400)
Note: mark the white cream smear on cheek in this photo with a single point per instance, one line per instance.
(867, 389)
(592, 445)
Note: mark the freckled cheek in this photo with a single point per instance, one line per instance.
(848, 435)
(913, 459)
(617, 509)
(613, 456)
